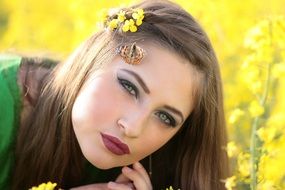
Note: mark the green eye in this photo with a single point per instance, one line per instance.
(129, 87)
(166, 118)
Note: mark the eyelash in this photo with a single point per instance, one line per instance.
(164, 117)
(129, 87)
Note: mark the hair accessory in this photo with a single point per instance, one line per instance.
(120, 21)
(132, 54)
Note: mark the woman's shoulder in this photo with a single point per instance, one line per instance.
(9, 65)
(9, 106)
(9, 94)
(21, 79)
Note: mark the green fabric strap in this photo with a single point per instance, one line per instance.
(9, 114)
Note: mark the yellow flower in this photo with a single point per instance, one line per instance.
(256, 109)
(140, 12)
(232, 149)
(45, 186)
(235, 115)
(129, 25)
(113, 24)
(244, 164)
(266, 134)
(138, 16)
(138, 22)
(133, 28)
(121, 16)
(230, 182)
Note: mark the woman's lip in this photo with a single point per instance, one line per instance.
(115, 145)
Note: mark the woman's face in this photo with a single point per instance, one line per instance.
(124, 112)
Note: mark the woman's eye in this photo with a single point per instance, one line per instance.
(131, 88)
(166, 119)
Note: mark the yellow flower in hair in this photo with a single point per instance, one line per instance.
(140, 12)
(129, 25)
(113, 24)
(138, 15)
(133, 28)
(121, 16)
(138, 22)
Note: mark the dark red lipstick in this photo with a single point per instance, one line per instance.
(114, 145)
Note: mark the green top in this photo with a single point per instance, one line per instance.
(10, 104)
(9, 114)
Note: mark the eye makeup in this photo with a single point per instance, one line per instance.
(129, 87)
(164, 116)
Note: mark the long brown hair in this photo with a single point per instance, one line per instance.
(47, 149)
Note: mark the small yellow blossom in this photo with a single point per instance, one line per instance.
(129, 25)
(140, 12)
(45, 186)
(138, 16)
(133, 28)
(235, 115)
(256, 109)
(266, 134)
(113, 24)
(232, 149)
(244, 164)
(230, 182)
(138, 22)
(126, 26)
(121, 16)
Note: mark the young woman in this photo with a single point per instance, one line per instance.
(146, 88)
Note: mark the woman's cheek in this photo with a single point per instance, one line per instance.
(103, 101)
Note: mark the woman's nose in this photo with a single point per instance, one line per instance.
(133, 124)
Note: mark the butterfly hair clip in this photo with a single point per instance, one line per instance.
(132, 54)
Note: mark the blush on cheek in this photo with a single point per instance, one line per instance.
(102, 101)
(99, 102)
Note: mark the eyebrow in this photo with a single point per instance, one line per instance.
(146, 89)
(139, 79)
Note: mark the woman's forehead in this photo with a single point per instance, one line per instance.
(167, 75)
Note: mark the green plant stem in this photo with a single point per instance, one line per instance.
(254, 159)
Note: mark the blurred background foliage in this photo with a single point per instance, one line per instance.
(249, 39)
